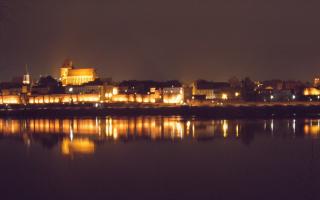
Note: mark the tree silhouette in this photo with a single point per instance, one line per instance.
(248, 90)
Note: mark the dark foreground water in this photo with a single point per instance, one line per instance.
(159, 158)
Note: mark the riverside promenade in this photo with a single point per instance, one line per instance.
(224, 110)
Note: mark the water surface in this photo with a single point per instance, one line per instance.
(151, 157)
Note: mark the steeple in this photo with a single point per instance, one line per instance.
(26, 77)
(67, 63)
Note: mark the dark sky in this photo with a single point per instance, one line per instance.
(163, 39)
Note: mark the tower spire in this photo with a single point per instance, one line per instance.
(26, 77)
(27, 71)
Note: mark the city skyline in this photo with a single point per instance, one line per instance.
(183, 40)
(159, 99)
(100, 75)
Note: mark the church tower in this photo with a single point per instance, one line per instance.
(70, 75)
(26, 77)
(64, 70)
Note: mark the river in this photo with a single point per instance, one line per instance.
(155, 157)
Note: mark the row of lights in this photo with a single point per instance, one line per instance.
(293, 97)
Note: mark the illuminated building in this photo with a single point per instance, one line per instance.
(11, 88)
(135, 98)
(150, 92)
(85, 89)
(316, 82)
(170, 95)
(69, 75)
(224, 96)
(26, 79)
(205, 90)
(89, 89)
(10, 99)
(110, 91)
(311, 92)
(64, 98)
(173, 95)
(209, 90)
(10, 93)
(187, 93)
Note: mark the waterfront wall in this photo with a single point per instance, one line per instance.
(10, 99)
(91, 98)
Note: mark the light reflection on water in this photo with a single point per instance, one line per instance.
(154, 157)
(80, 135)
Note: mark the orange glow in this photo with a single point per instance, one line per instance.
(122, 128)
(77, 146)
(115, 91)
(173, 98)
(312, 128)
(311, 92)
(72, 76)
(64, 98)
(134, 98)
(237, 130)
(224, 96)
(10, 99)
(10, 126)
(225, 128)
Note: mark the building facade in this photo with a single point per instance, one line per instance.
(173, 95)
(69, 75)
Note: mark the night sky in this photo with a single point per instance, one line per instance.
(163, 39)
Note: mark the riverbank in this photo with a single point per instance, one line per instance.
(244, 110)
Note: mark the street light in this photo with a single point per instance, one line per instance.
(271, 97)
(224, 96)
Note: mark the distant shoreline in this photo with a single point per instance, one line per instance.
(229, 111)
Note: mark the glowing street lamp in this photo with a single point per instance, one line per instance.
(224, 96)
(271, 97)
